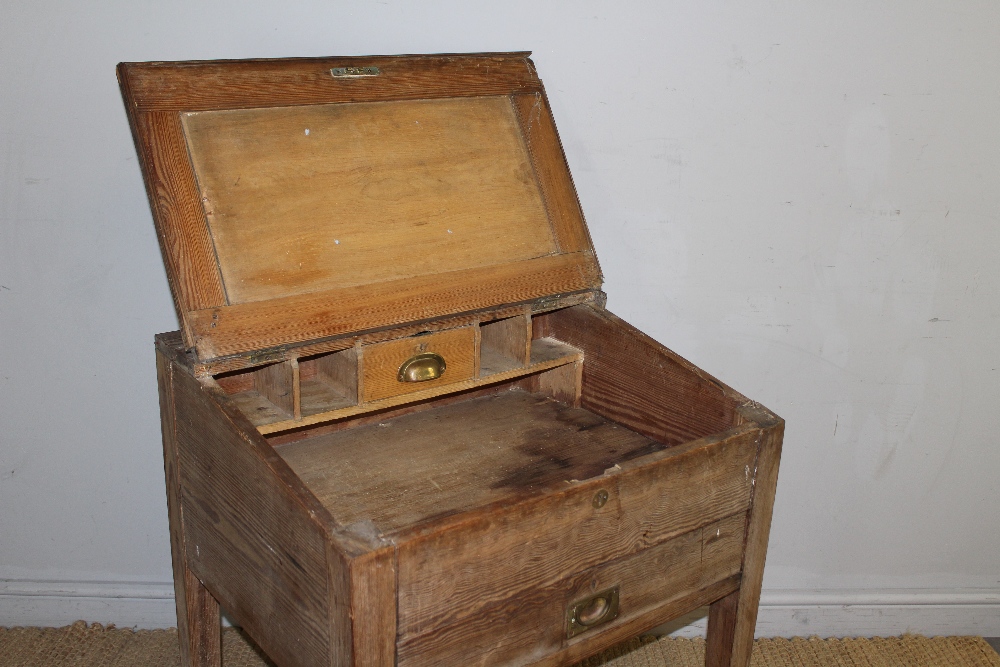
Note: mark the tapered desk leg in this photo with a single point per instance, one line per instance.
(198, 623)
(198, 620)
(733, 619)
(721, 630)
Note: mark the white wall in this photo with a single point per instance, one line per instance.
(802, 198)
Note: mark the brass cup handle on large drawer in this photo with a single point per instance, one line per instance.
(421, 368)
(596, 610)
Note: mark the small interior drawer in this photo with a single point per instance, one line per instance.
(382, 362)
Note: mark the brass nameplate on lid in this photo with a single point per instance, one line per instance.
(339, 72)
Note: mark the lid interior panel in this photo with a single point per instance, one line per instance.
(293, 205)
(310, 198)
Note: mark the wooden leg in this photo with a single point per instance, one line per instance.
(733, 619)
(721, 631)
(199, 625)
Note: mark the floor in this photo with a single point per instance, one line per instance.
(994, 642)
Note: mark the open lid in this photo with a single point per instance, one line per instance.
(302, 199)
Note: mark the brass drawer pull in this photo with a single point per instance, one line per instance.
(596, 610)
(421, 368)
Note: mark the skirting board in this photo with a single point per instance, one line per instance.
(864, 613)
(59, 603)
(785, 613)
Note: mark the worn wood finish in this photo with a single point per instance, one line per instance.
(222, 84)
(562, 453)
(453, 571)
(552, 172)
(381, 416)
(546, 354)
(339, 369)
(284, 352)
(320, 397)
(232, 383)
(362, 626)
(448, 182)
(341, 622)
(264, 324)
(721, 630)
(198, 618)
(731, 644)
(202, 622)
(563, 383)
(248, 519)
(188, 252)
(278, 384)
(329, 382)
(401, 473)
(631, 378)
(373, 588)
(533, 624)
(382, 361)
(257, 408)
(475, 192)
(505, 345)
(671, 609)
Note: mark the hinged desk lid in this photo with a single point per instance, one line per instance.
(302, 199)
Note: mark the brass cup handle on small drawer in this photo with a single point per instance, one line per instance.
(422, 367)
(591, 612)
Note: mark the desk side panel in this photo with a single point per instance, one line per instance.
(250, 534)
(630, 378)
(198, 620)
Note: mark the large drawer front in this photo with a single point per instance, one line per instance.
(535, 624)
(523, 565)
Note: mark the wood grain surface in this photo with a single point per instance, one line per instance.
(381, 362)
(188, 251)
(721, 630)
(552, 172)
(532, 624)
(505, 344)
(245, 84)
(671, 609)
(281, 352)
(309, 223)
(199, 625)
(265, 324)
(480, 559)
(251, 533)
(634, 380)
(362, 623)
(278, 383)
(563, 384)
(546, 354)
(406, 471)
(329, 381)
(736, 618)
(366, 419)
(352, 194)
(366, 221)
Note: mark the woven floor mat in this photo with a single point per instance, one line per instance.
(80, 645)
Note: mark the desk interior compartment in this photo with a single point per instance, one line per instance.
(265, 394)
(505, 345)
(328, 381)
